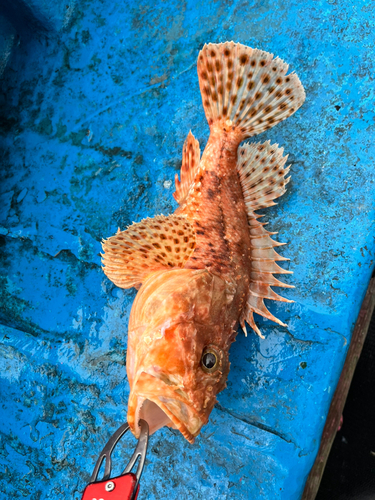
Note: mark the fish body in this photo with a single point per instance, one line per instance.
(207, 267)
(216, 208)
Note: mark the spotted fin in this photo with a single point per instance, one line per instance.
(147, 246)
(262, 176)
(190, 162)
(246, 88)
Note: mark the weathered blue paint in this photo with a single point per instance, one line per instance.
(92, 131)
(8, 38)
(31, 17)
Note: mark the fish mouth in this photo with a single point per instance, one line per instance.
(162, 404)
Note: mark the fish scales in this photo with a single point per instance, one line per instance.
(209, 266)
(217, 207)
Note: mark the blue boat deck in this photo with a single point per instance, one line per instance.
(98, 98)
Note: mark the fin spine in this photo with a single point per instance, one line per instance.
(261, 169)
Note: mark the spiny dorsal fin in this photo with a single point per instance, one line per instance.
(262, 176)
(147, 246)
(190, 162)
(246, 88)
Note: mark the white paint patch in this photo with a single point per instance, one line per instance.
(77, 323)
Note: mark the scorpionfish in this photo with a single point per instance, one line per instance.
(208, 267)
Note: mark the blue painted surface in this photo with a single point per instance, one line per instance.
(31, 17)
(93, 126)
(8, 39)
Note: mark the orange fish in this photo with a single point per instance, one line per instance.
(209, 266)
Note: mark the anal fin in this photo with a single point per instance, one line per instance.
(147, 246)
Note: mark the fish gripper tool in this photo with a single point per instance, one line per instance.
(126, 485)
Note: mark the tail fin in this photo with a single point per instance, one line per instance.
(246, 88)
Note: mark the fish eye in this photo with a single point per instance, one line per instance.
(209, 360)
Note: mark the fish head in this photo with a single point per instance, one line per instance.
(178, 345)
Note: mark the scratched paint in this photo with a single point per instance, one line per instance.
(94, 119)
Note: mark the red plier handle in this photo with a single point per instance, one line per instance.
(125, 486)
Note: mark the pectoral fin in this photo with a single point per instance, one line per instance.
(147, 246)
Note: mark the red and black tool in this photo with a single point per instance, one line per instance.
(125, 486)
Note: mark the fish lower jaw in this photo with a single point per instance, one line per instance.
(157, 415)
